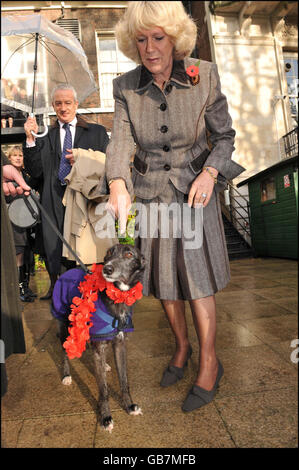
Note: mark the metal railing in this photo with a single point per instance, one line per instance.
(291, 143)
(232, 211)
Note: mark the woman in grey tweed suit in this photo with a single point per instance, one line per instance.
(160, 110)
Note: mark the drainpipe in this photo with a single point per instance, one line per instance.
(274, 103)
(188, 7)
(209, 19)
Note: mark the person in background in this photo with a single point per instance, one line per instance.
(167, 106)
(49, 159)
(22, 236)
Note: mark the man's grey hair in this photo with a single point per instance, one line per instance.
(64, 86)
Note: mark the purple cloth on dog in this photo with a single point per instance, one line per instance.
(105, 326)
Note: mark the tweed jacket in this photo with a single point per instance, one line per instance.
(166, 130)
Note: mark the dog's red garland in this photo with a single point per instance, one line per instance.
(82, 308)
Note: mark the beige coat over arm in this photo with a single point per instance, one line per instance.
(85, 199)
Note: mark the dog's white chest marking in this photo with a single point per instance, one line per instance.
(123, 286)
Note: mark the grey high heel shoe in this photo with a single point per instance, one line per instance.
(173, 374)
(198, 397)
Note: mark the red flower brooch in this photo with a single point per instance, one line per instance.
(193, 72)
(82, 308)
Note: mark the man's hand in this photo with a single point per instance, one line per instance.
(70, 156)
(10, 173)
(30, 125)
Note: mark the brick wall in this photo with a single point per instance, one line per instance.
(92, 20)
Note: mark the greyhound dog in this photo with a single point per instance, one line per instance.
(123, 266)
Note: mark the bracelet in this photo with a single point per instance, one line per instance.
(207, 169)
(111, 181)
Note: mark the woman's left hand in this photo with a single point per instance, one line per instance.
(9, 174)
(201, 190)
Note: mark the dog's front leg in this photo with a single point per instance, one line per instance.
(63, 333)
(120, 355)
(99, 348)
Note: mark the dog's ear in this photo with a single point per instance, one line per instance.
(139, 270)
(141, 258)
(142, 262)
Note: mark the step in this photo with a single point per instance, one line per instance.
(240, 255)
(237, 247)
(232, 238)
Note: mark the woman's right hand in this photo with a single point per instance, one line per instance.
(30, 125)
(119, 203)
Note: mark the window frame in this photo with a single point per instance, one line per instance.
(290, 56)
(109, 34)
(263, 181)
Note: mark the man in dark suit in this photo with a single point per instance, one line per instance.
(50, 158)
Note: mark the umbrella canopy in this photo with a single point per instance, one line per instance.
(59, 56)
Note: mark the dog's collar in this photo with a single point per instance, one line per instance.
(82, 308)
(96, 281)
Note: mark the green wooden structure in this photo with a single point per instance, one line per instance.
(273, 203)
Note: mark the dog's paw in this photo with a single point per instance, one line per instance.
(107, 424)
(67, 380)
(135, 410)
(107, 367)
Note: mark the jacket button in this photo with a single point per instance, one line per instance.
(166, 167)
(163, 106)
(166, 148)
(168, 88)
(164, 129)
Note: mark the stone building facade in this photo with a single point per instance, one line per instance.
(253, 45)
(251, 42)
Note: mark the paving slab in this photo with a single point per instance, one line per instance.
(255, 405)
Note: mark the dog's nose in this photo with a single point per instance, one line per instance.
(108, 269)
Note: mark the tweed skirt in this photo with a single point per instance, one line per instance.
(175, 268)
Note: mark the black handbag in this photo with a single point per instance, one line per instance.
(23, 211)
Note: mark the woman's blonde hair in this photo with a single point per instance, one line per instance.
(12, 150)
(170, 16)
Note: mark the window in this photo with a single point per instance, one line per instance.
(111, 63)
(268, 189)
(291, 73)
